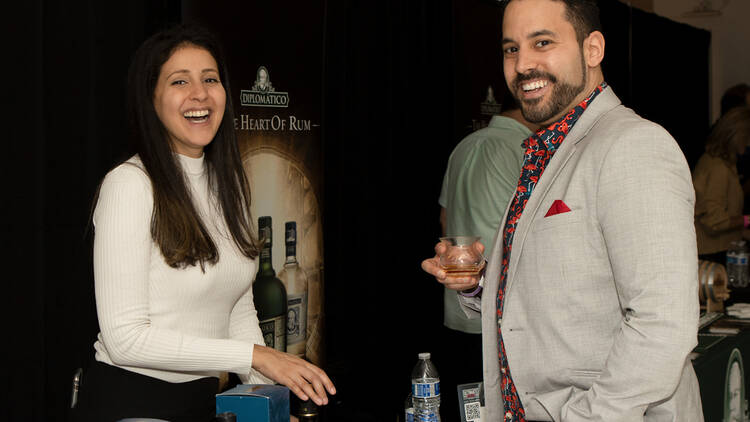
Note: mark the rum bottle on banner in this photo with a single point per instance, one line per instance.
(295, 281)
(269, 294)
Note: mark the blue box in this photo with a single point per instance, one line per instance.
(255, 403)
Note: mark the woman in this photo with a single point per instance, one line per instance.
(174, 250)
(718, 194)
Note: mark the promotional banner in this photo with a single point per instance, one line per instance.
(275, 62)
(480, 88)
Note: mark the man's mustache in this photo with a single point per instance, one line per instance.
(532, 74)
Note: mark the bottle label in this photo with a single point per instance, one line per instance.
(731, 259)
(425, 390)
(296, 318)
(291, 249)
(426, 417)
(410, 414)
(274, 333)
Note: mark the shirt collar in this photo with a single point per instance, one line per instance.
(553, 135)
(190, 165)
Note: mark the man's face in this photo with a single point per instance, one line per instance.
(542, 59)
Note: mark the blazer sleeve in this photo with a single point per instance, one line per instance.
(645, 202)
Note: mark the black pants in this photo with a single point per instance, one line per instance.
(109, 393)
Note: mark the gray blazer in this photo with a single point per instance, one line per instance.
(601, 306)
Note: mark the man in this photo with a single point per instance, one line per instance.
(481, 176)
(588, 304)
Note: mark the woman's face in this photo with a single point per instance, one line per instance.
(189, 99)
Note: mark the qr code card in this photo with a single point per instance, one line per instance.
(473, 412)
(471, 402)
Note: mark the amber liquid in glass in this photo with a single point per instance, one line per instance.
(461, 270)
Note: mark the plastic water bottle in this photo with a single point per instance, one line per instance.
(409, 409)
(425, 390)
(732, 265)
(742, 264)
(737, 264)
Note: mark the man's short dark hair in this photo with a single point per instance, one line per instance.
(583, 15)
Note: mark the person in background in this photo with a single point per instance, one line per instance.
(589, 303)
(735, 96)
(718, 194)
(174, 250)
(480, 178)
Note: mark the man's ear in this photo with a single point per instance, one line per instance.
(593, 49)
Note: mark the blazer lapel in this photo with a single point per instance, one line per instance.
(604, 102)
(556, 164)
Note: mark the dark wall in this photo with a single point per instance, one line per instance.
(660, 69)
(22, 219)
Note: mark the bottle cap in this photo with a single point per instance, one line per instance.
(290, 227)
(264, 230)
(225, 417)
(424, 356)
(307, 409)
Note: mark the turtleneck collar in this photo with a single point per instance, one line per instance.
(192, 166)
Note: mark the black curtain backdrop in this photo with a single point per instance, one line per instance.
(402, 79)
(388, 130)
(672, 77)
(660, 69)
(67, 77)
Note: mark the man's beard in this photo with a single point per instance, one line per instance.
(562, 95)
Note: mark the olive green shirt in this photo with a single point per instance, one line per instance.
(482, 175)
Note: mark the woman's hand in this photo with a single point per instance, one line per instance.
(304, 379)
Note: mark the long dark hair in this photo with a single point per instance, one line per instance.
(175, 224)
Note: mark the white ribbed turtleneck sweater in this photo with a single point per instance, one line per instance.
(169, 323)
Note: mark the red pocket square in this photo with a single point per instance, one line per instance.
(558, 207)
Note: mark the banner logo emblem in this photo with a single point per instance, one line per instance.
(263, 94)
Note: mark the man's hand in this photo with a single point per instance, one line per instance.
(432, 266)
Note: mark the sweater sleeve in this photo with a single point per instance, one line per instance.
(244, 326)
(712, 198)
(122, 259)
